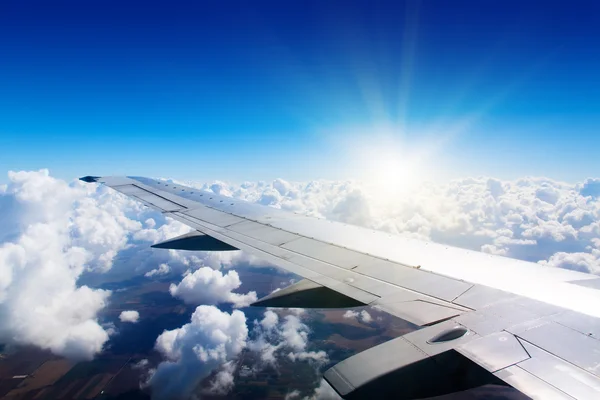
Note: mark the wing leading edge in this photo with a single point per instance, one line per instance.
(513, 329)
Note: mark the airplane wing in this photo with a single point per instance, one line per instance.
(484, 319)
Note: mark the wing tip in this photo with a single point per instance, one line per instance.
(89, 179)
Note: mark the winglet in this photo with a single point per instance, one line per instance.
(90, 179)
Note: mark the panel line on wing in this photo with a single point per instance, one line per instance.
(149, 197)
(331, 255)
(310, 273)
(446, 291)
(249, 226)
(331, 279)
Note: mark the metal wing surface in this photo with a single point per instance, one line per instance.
(484, 318)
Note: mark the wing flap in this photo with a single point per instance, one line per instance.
(495, 352)
(530, 384)
(405, 367)
(539, 372)
(564, 376)
(582, 350)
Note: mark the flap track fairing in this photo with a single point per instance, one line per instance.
(307, 294)
(194, 241)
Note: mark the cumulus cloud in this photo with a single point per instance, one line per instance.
(362, 316)
(287, 337)
(53, 232)
(583, 262)
(55, 237)
(208, 286)
(142, 364)
(365, 316)
(210, 340)
(224, 380)
(323, 392)
(294, 394)
(534, 219)
(129, 316)
(590, 187)
(162, 269)
(110, 328)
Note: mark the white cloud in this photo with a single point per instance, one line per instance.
(162, 269)
(110, 328)
(585, 262)
(208, 341)
(365, 316)
(283, 187)
(208, 286)
(223, 382)
(287, 337)
(51, 233)
(166, 230)
(142, 364)
(129, 316)
(269, 321)
(362, 316)
(294, 394)
(56, 235)
(529, 218)
(590, 187)
(323, 392)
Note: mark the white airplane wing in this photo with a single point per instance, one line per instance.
(485, 319)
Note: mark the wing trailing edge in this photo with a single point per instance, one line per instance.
(412, 366)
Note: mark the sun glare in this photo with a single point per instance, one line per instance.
(390, 169)
(391, 172)
(385, 162)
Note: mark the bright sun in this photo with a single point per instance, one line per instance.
(387, 164)
(390, 171)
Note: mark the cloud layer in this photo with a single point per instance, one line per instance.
(56, 235)
(51, 233)
(211, 343)
(534, 219)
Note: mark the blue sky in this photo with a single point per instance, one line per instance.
(257, 90)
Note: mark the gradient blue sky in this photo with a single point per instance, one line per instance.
(245, 90)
